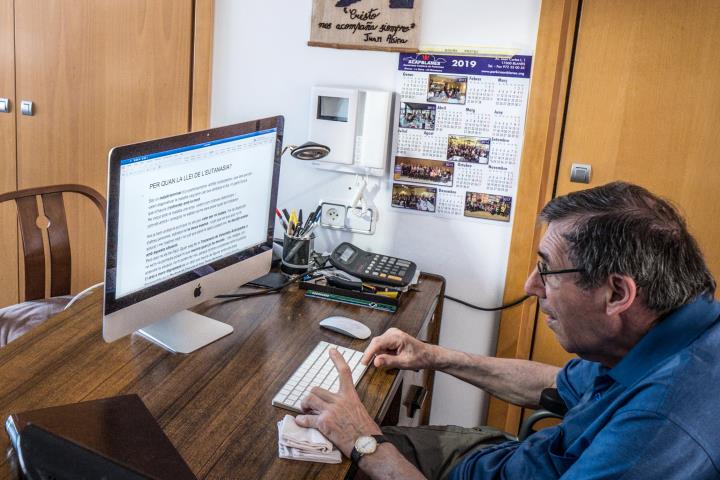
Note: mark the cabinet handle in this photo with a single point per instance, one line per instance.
(26, 108)
(415, 399)
(4, 105)
(580, 173)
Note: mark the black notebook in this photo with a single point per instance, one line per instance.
(111, 438)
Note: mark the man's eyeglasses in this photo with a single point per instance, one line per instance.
(543, 270)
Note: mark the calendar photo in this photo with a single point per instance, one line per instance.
(417, 115)
(491, 207)
(447, 89)
(410, 197)
(421, 170)
(468, 149)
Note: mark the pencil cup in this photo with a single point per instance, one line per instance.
(296, 254)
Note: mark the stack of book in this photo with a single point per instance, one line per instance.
(363, 294)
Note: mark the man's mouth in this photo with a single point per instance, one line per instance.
(544, 310)
(550, 315)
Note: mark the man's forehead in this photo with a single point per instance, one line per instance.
(553, 245)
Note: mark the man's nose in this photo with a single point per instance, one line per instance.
(534, 285)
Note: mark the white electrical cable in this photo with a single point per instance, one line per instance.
(359, 197)
(82, 294)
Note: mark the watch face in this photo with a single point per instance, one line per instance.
(365, 445)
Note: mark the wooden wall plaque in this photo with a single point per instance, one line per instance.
(389, 25)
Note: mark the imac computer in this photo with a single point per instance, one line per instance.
(189, 217)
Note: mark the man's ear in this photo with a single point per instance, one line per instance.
(622, 292)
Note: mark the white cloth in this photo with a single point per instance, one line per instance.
(307, 444)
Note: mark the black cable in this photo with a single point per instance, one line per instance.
(265, 291)
(502, 307)
(229, 297)
(321, 265)
(241, 296)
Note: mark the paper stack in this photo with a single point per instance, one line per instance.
(307, 444)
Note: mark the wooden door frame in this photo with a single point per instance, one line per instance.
(543, 133)
(201, 84)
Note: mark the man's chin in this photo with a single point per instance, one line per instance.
(553, 325)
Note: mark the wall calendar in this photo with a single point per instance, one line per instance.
(459, 134)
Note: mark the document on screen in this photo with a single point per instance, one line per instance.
(184, 209)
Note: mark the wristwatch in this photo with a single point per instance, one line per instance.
(366, 445)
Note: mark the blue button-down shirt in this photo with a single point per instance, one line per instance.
(655, 414)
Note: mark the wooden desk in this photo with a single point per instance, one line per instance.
(214, 404)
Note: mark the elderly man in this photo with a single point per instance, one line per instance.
(625, 287)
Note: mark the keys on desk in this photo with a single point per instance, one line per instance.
(317, 370)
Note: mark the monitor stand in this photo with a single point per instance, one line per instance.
(185, 331)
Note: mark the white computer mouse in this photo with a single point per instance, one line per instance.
(346, 326)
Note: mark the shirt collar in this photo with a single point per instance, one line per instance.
(670, 335)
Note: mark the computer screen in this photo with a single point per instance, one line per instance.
(189, 217)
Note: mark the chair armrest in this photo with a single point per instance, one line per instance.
(526, 427)
(553, 406)
(551, 401)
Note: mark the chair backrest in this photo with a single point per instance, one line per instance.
(29, 216)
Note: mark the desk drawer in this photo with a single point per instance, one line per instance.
(410, 404)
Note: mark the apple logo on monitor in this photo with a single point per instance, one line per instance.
(198, 291)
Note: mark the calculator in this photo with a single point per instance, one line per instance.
(373, 267)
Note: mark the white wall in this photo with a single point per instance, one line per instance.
(263, 66)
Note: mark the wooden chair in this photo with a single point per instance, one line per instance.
(18, 319)
(57, 232)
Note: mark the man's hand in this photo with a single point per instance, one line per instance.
(341, 416)
(397, 349)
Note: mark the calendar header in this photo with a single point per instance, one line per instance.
(517, 66)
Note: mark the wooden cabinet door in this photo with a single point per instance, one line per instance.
(8, 229)
(644, 107)
(99, 73)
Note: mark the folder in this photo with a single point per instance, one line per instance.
(114, 437)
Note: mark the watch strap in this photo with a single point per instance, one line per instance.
(355, 456)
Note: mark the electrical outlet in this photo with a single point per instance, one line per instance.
(333, 215)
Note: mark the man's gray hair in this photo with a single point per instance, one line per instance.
(623, 228)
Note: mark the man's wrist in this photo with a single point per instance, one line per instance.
(366, 428)
(387, 462)
(436, 359)
(378, 453)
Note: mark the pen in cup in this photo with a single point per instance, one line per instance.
(282, 220)
(307, 231)
(292, 221)
(308, 222)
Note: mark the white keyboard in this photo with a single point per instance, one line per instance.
(317, 370)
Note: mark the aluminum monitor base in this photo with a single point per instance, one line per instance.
(185, 331)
